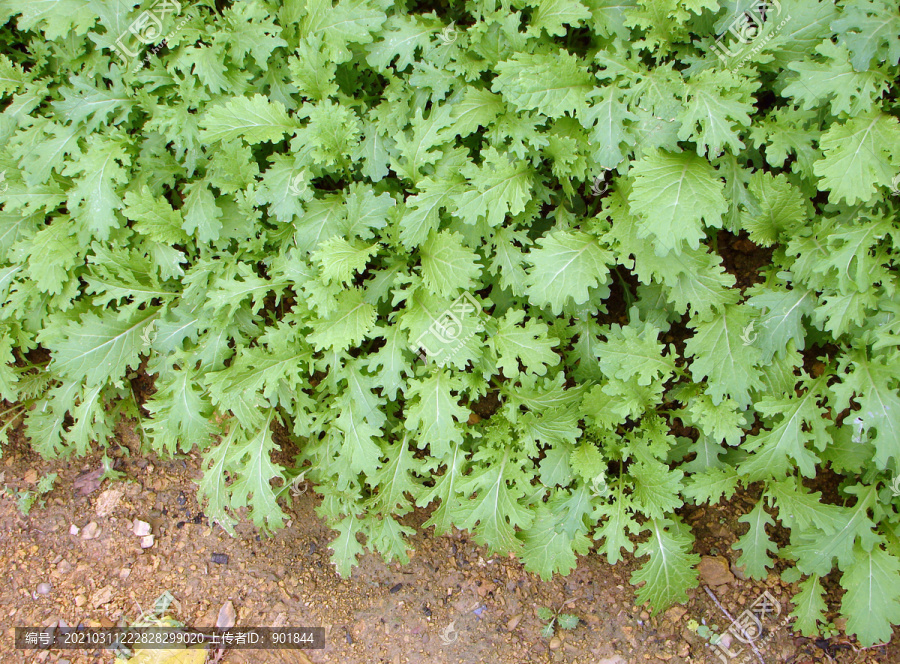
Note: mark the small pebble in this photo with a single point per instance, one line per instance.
(43, 589)
(181, 500)
(396, 588)
(146, 541)
(555, 643)
(74, 530)
(426, 611)
(219, 558)
(90, 531)
(140, 528)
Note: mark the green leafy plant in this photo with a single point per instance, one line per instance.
(25, 499)
(704, 631)
(109, 472)
(658, 261)
(829, 631)
(554, 619)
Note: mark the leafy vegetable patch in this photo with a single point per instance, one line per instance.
(354, 221)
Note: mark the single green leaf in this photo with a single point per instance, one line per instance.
(871, 604)
(674, 196)
(755, 544)
(809, 607)
(98, 349)
(670, 571)
(255, 119)
(564, 267)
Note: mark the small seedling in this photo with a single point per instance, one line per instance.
(829, 631)
(704, 631)
(25, 499)
(554, 618)
(108, 472)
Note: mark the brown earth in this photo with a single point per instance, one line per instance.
(452, 603)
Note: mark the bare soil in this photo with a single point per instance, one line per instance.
(452, 603)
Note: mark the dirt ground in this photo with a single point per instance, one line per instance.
(452, 603)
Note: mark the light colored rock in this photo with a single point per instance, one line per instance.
(102, 596)
(514, 622)
(146, 541)
(90, 531)
(140, 528)
(676, 613)
(555, 643)
(615, 659)
(80, 600)
(226, 617)
(74, 530)
(108, 501)
(43, 588)
(714, 571)
(739, 572)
